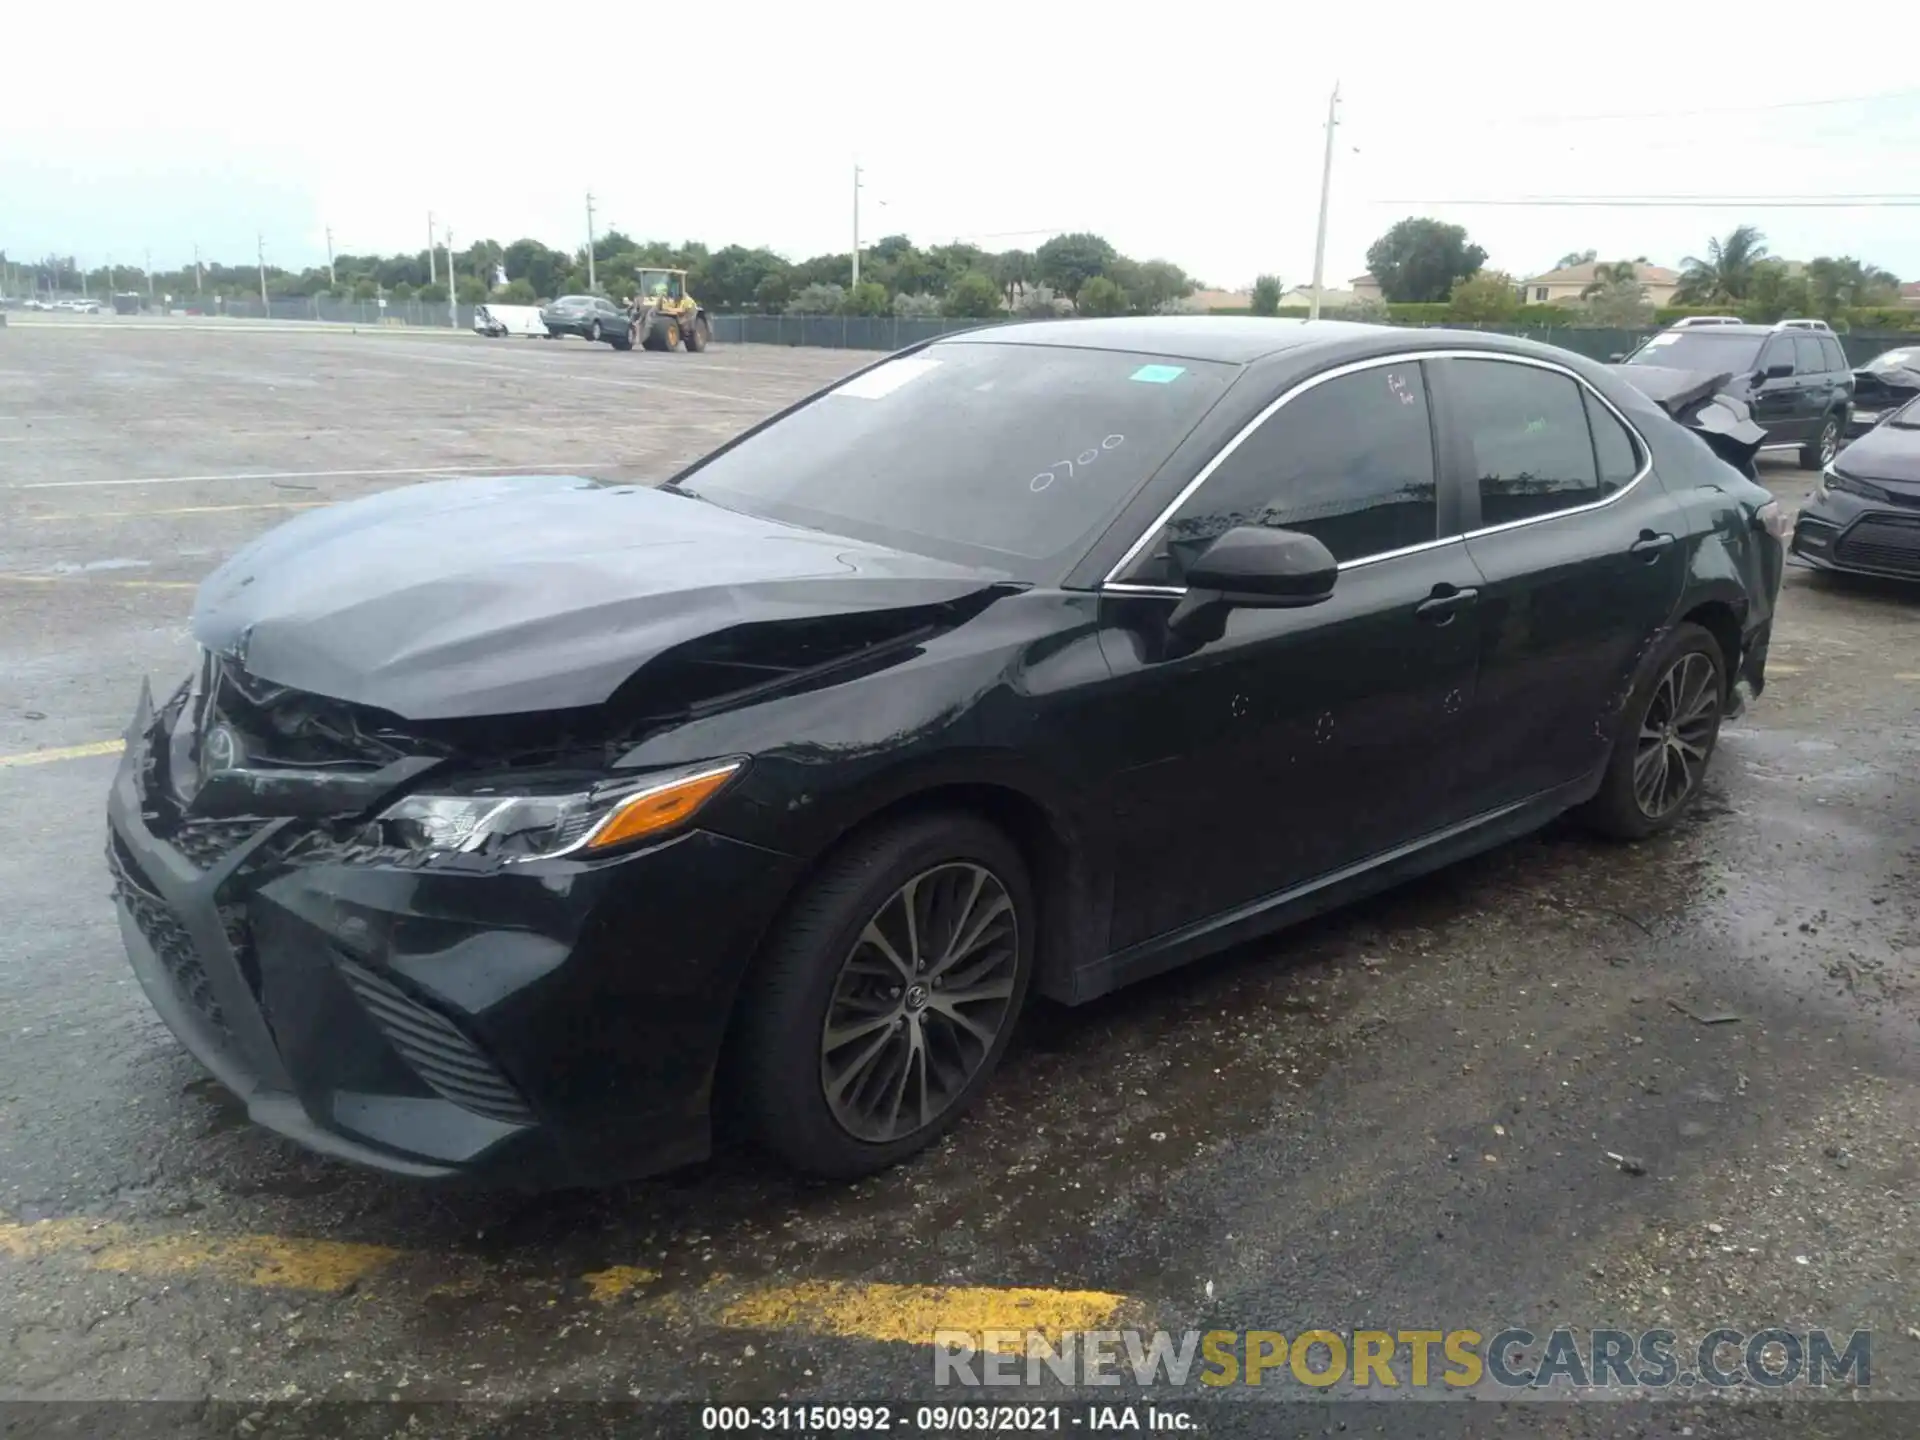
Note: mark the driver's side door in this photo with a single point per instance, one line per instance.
(1303, 740)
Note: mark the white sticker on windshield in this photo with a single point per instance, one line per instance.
(1661, 340)
(883, 380)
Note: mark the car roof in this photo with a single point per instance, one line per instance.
(1229, 339)
(1742, 329)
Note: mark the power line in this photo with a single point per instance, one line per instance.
(1711, 110)
(1688, 202)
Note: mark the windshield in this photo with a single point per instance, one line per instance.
(1907, 417)
(1011, 456)
(1708, 348)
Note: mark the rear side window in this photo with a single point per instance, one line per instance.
(1349, 461)
(1807, 356)
(1526, 430)
(1836, 357)
(1613, 447)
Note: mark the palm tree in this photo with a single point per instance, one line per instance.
(1620, 272)
(1727, 270)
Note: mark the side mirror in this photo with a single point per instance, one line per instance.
(1256, 568)
(1779, 370)
(1616, 357)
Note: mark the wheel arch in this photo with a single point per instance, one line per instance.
(1720, 618)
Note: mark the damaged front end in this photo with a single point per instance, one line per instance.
(409, 942)
(1701, 403)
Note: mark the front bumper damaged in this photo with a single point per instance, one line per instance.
(536, 1025)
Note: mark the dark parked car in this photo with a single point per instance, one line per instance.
(1864, 514)
(508, 824)
(1795, 381)
(1883, 385)
(591, 317)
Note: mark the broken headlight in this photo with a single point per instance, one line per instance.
(522, 825)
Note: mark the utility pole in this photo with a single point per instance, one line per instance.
(1326, 187)
(265, 304)
(453, 310)
(199, 275)
(149, 258)
(432, 276)
(332, 279)
(856, 227)
(592, 282)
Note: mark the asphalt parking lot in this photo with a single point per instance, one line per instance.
(1399, 1116)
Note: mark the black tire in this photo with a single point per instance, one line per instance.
(779, 1086)
(624, 342)
(699, 335)
(1621, 807)
(656, 336)
(593, 333)
(1818, 452)
(552, 334)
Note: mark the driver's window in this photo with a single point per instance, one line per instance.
(1778, 351)
(1349, 461)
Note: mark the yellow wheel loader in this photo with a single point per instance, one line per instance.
(666, 317)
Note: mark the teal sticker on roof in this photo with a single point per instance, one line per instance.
(1158, 374)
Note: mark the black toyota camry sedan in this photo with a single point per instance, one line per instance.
(522, 828)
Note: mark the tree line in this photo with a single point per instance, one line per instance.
(1075, 273)
(1422, 260)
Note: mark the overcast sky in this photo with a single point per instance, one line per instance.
(1190, 131)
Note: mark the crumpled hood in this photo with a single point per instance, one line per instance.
(1886, 454)
(1710, 403)
(1672, 389)
(527, 593)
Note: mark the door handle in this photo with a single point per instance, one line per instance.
(1650, 547)
(1446, 600)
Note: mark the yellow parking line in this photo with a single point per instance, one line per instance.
(180, 510)
(64, 752)
(89, 581)
(263, 1260)
(910, 1314)
(892, 1314)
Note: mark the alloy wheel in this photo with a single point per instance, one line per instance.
(1829, 441)
(1676, 734)
(920, 1001)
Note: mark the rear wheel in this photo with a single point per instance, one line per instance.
(887, 997)
(1666, 738)
(593, 332)
(1818, 453)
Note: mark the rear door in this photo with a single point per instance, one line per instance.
(1581, 552)
(1815, 379)
(1776, 402)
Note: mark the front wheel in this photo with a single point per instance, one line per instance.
(1818, 453)
(1666, 738)
(699, 335)
(887, 997)
(593, 332)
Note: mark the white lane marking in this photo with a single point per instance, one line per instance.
(300, 475)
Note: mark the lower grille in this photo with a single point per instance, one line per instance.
(1878, 545)
(163, 931)
(436, 1048)
(207, 842)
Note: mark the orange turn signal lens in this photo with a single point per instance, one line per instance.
(660, 808)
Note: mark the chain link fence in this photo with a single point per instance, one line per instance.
(892, 332)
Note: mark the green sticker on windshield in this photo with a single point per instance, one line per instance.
(1158, 374)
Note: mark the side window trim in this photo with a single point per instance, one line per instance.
(1443, 442)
